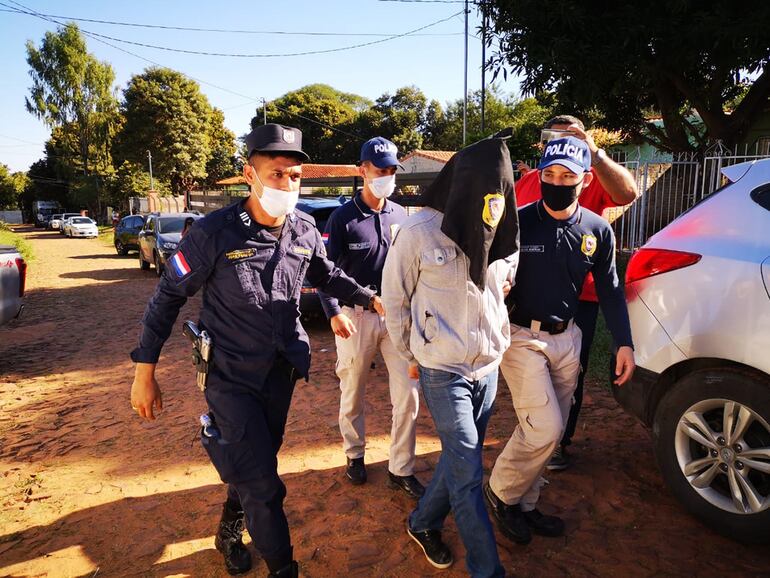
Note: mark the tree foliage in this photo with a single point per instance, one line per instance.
(314, 109)
(166, 113)
(667, 57)
(222, 162)
(72, 92)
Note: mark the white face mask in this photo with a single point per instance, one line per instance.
(275, 202)
(383, 187)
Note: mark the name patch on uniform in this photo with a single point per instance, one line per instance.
(180, 265)
(302, 250)
(240, 254)
(359, 246)
(494, 207)
(588, 246)
(533, 248)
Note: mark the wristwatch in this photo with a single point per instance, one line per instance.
(598, 157)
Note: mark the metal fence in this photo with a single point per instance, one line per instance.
(668, 189)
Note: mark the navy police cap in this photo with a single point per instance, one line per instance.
(275, 138)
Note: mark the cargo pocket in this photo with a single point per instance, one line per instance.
(231, 452)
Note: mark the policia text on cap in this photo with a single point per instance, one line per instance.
(250, 259)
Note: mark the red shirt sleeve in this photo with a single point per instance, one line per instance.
(528, 189)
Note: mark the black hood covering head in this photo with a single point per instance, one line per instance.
(475, 192)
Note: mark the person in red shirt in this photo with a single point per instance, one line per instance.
(612, 186)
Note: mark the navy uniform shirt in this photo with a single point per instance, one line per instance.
(555, 258)
(358, 242)
(251, 284)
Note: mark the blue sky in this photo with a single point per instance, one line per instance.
(433, 60)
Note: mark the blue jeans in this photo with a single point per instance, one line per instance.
(461, 410)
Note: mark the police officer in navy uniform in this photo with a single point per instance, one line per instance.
(360, 233)
(250, 259)
(560, 243)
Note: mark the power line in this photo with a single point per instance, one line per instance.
(237, 55)
(224, 30)
(91, 35)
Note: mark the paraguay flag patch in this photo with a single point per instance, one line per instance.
(179, 263)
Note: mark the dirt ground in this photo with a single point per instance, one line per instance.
(88, 489)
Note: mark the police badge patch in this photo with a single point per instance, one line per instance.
(288, 136)
(494, 207)
(588, 246)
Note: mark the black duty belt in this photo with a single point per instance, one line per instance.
(535, 325)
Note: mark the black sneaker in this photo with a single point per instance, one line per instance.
(510, 519)
(551, 526)
(356, 471)
(410, 484)
(229, 542)
(437, 553)
(559, 459)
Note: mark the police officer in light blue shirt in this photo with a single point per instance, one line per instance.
(359, 237)
(250, 260)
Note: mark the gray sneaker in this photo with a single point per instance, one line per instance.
(559, 459)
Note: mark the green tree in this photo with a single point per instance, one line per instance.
(72, 91)
(166, 113)
(317, 110)
(9, 191)
(672, 58)
(401, 117)
(222, 161)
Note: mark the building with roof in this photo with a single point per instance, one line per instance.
(424, 161)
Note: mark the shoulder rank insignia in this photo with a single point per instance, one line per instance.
(588, 246)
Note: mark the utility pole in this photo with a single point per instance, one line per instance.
(149, 158)
(483, 60)
(465, 91)
(264, 111)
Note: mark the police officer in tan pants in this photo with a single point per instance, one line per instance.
(560, 244)
(359, 235)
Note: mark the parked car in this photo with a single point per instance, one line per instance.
(699, 302)
(13, 276)
(80, 227)
(64, 218)
(54, 222)
(159, 238)
(320, 208)
(126, 235)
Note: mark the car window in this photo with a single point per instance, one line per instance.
(150, 225)
(81, 220)
(171, 224)
(136, 223)
(761, 196)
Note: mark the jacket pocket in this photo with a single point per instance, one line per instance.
(440, 268)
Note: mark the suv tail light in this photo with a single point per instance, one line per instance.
(649, 262)
(21, 265)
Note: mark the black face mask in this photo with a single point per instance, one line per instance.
(559, 197)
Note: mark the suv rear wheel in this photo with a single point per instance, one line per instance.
(712, 441)
(120, 248)
(158, 264)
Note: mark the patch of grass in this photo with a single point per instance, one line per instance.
(106, 234)
(8, 237)
(599, 360)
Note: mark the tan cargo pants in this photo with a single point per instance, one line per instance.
(541, 371)
(354, 358)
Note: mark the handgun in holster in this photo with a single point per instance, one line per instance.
(202, 350)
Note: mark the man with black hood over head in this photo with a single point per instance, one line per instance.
(443, 291)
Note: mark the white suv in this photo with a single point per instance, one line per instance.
(699, 301)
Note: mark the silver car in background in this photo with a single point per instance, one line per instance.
(699, 301)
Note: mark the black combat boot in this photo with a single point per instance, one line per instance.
(288, 571)
(229, 541)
